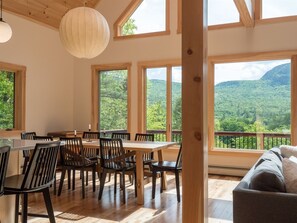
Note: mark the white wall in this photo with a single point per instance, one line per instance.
(49, 79)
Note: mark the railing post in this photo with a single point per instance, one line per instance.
(260, 136)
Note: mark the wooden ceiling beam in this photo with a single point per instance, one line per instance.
(246, 11)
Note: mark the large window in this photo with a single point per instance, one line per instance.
(12, 96)
(278, 8)
(250, 103)
(144, 17)
(162, 96)
(112, 105)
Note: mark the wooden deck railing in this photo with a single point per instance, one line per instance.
(232, 140)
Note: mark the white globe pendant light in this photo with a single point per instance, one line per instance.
(84, 32)
(5, 30)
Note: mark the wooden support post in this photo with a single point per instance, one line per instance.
(194, 110)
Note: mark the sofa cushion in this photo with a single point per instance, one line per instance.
(288, 151)
(290, 174)
(268, 176)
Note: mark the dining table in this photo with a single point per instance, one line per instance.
(140, 147)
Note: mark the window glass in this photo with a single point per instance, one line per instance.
(176, 104)
(6, 99)
(113, 104)
(222, 12)
(149, 17)
(252, 104)
(156, 101)
(278, 8)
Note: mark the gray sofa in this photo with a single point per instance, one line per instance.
(261, 196)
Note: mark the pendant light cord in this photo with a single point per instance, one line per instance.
(1, 12)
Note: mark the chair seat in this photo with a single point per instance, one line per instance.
(169, 165)
(14, 184)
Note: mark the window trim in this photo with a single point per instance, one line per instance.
(130, 9)
(95, 90)
(142, 66)
(275, 55)
(19, 94)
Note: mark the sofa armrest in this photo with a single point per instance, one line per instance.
(261, 206)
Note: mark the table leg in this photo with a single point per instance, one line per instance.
(139, 177)
(160, 158)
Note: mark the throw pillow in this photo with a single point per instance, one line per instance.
(290, 174)
(267, 177)
(288, 151)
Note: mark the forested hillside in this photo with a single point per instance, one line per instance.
(263, 104)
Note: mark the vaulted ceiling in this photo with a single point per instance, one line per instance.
(48, 12)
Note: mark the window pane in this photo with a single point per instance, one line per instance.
(149, 17)
(113, 103)
(278, 8)
(176, 104)
(222, 12)
(156, 101)
(6, 100)
(250, 98)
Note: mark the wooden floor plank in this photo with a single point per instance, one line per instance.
(70, 207)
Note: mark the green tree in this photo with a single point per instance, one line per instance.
(6, 100)
(113, 100)
(129, 27)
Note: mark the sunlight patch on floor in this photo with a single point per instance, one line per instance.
(142, 215)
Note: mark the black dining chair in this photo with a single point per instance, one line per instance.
(73, 158)
(91, 152)
(4, 156)
(163, 166)
(114, 158)
(50, 138)
(148, 158)
(26, 153)
(121, 135)
(39, 176)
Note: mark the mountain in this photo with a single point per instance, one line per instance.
(266, 99)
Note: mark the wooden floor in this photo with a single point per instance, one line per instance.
(70, 207)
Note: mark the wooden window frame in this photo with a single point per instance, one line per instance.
(142, 66)
(19, 93)
(277, 55)
(127, 13)
(95, 94)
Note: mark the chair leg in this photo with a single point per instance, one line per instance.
(62, 181)
(73, 179)
(161, 184)
(48, 204)
(17, 208)
(87, 178)
(25, 208)
(135, 185)
(115, 182)
(154, 184)
(102, 182)
(94, 178)
(55, 186)
(177, 185)
(122, 181)
(69, 179)
(82, 174)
